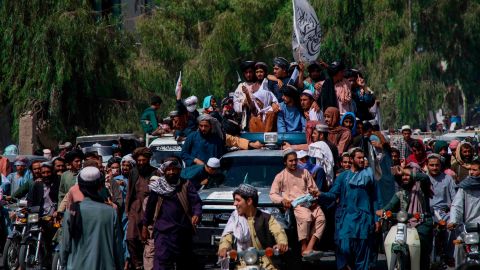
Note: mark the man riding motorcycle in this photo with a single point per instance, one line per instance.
(466, 205)
(414, 198)
(251, 227)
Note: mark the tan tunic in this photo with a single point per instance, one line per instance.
(275, 228)
(291, 185)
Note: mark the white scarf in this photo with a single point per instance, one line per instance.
(238, 226)
(323, 157)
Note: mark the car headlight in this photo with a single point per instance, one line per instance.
(402, 216)
(33, 218)
(471, 238)
(250, 257)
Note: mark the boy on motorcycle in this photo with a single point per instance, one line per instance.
(414, 198)
(466, 204)
(251, 227)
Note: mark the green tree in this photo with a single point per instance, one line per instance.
(67, 63)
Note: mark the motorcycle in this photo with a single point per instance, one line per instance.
(33, 251)
(440, 236)
(18, 215)
(402, 243)
(470, 242)
(250, 259)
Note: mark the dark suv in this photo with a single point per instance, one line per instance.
(254, 167)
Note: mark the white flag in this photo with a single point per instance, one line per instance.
(177, 88)
(306, 32)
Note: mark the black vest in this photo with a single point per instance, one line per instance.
(262, 230)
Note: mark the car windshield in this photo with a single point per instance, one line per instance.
(101, 143)
(102, 151)
(257, 171)
(159, 156)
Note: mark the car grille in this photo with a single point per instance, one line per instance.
(215, 218)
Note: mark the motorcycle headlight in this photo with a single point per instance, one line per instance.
(33, 218)
(471, 238)
(402, 216)
(474, 248)
(250, 257)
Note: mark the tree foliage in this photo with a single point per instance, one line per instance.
(398, 44)
(68, 64)
(84, 74)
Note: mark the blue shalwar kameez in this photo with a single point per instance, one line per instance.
(355, 217)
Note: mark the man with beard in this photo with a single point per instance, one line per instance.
(204, 143)
(414, 197)
(175, 209)
(443, 195)
(137, 191)
(74, 159)
(59, 166)
(310, 114)
(23, 190)
(356, 192)
(462, 159)
(44, 192)
(90, 236)
(243, 101)
(443, 187)
(466, 205)
(291, 184)
(338, 135)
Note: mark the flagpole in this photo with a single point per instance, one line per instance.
(295, 23)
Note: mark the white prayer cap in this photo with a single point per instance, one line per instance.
(301, 154)
(213, 163)
(406, 127)
(191, 103)
(89, 174)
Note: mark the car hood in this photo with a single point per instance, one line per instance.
(224, 196)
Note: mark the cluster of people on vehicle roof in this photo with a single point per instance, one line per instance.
(289, 100)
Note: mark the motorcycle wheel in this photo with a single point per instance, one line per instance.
(56, 261)
(398, 262)
(29, 263)
(10, 254)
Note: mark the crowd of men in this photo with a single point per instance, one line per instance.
(130, 215)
